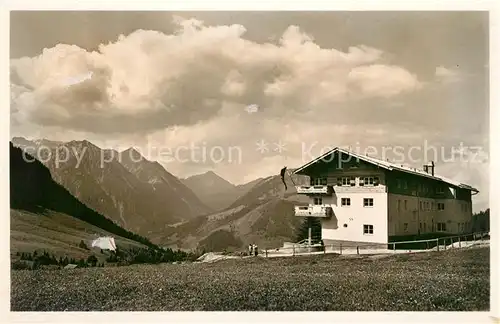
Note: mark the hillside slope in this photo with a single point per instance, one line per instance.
(171, 190)
(57, 233)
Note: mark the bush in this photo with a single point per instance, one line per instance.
(92, 260)
(303, 230)
(20, 265)
(82, 245)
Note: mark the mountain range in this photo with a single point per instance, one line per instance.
(138, 194)
(202, 211)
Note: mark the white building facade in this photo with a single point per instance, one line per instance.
(363, 199)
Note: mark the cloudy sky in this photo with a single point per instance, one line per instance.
(178, 86)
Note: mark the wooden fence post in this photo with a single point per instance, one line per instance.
(266, 252)
(394, 246)
(459, 243)
(426, 245)
(293, 247)
(357, 249)
(437, 244)
(340, 248)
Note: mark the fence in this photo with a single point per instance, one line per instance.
(432, 244)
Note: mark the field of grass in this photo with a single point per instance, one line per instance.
(453, 280)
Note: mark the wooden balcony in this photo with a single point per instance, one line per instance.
(314, 190)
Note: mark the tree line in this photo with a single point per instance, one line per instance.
(120, 257)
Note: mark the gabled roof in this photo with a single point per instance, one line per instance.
(386, 165)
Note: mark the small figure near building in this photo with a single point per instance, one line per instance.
(250, 249)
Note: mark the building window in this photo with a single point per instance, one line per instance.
(367, 229)
(440, 190)
(405, 184)
(406, 204)
(346, 201)
(421, 206)
(318, 201)
(368, 181)
(433, 206)
(440, 206)
(318, 182)
(367, 202)
(398, 182)
(345, 181)
(441, 227)
(425, 227)
(399, 205)
(405, 227)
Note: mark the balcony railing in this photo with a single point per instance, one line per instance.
(321, 189)
(313, 211)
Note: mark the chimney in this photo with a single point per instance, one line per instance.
(429, 168)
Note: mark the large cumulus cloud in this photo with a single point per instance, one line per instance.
(149, 80)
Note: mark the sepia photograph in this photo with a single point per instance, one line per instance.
(166, 161)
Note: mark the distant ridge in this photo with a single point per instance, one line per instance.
(215, 191)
